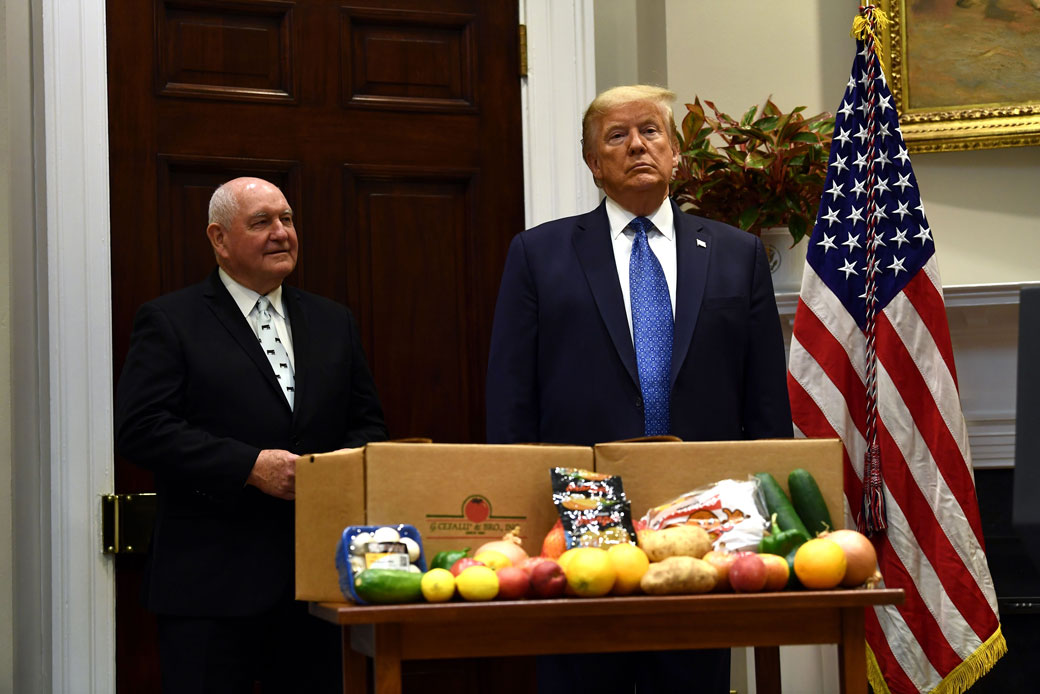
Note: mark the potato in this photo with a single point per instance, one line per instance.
(675, 541)
(679, 576)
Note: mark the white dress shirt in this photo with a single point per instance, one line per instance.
(661, 240)
(246, 298)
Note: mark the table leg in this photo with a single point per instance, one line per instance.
(355, 666)
(387, 658)
(852, 652)
(767, 669)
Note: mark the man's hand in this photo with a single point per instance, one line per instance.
(274, 473)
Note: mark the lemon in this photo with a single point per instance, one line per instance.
(566, 557)
(820, 564)
(477, 583)
(590, 572)
(630, 563)
(493, 560)
(438, 585)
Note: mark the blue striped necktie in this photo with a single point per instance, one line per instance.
(651, 328)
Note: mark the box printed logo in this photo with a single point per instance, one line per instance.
(476, 519)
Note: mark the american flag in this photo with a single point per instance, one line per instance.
(947, 633)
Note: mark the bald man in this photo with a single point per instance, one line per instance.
(225, 384)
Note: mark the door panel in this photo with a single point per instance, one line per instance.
(392, 126)
(419, 225)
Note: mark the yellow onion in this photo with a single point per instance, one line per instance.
(509, 545)
(860, 556)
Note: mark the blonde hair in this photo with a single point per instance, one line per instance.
(619, 96)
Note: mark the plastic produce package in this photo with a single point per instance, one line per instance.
(731, 511)
(592, 507)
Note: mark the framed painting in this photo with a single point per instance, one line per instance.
(965, 74)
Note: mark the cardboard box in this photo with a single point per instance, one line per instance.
(654, 473)
(330, 495)
(462, 495)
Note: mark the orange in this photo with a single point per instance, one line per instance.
(590, 572)
(820, 564)
(630, 563)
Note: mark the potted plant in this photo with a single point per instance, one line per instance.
(766, 170)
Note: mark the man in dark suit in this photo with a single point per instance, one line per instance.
(225, 384)
(636, 319)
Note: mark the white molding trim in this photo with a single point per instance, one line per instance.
(992, 439)
(969, 295)
(79, 354)
(560, 84)
(955, 296)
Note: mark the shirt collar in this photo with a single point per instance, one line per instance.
(245, 298)
(619, 219)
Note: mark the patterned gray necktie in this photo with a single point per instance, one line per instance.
(275, 350)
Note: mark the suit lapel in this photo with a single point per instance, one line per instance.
(692, 248)
(596, 254)
(226, 311)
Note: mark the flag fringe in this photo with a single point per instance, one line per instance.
(874, 676)
(974, 666)
(864, 24)
(961, 678)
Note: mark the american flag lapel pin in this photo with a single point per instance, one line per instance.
(701, 243)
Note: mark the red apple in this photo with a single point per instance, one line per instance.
(721, 560)
(777, 571)
(548, 580)
(748, 573)
(513, 583)
(531, 562)
(464, 563)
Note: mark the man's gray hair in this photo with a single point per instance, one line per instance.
(223, 206)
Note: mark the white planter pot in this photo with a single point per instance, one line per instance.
(785, 263)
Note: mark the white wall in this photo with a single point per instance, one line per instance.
(6, 578)
(983, 206)
(24, 612)
(14, 78)
(630, 45)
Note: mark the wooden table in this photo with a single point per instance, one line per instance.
(392, 633)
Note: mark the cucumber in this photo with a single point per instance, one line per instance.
(388, 586)
(792, 578)
(778, 503)
(808, 502)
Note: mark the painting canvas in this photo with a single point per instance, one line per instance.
(965, 73)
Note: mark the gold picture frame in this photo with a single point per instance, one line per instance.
(965, 74)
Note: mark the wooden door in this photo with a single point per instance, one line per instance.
(392, 126)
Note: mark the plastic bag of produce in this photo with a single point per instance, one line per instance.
(731, 511)
(592, 507)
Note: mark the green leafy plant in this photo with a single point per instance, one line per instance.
(764, 171)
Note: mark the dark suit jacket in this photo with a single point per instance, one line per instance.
(562, 367)
(196, 402)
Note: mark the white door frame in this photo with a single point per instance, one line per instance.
(71, 178)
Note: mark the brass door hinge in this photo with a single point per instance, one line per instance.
(126, 522)
(523, 50)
